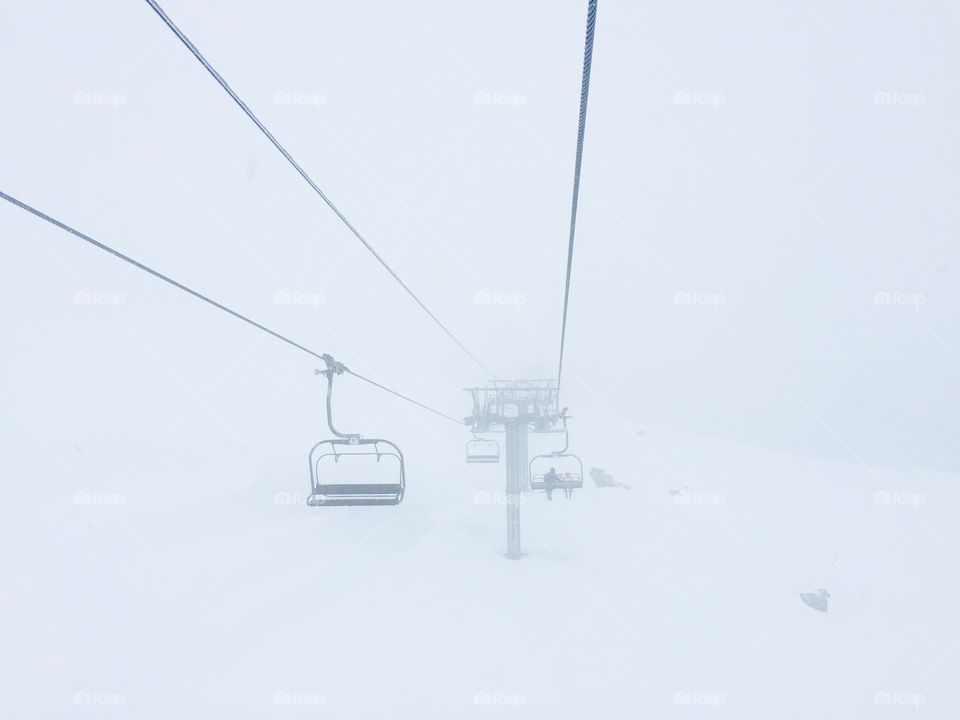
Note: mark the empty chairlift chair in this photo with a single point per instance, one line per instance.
(350, 469)
(480, 450)
(559, 470)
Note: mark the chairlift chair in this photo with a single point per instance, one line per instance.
(327, 455)
(569, 479)
(480, 450)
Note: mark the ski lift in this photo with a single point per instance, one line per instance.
(545, 474)
(347, 459)
(480, 450)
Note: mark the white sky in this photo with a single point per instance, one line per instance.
(787, 190)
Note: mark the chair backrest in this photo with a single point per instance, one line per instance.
(482, 451)
(565, 464)
(363, 477)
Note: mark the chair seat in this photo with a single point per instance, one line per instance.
(483, 458)
(356, 494)
(575, 482)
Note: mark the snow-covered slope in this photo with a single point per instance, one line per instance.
(205, 587)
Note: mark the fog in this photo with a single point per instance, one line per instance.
(783, 197)
(766, 254)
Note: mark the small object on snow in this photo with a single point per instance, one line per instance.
(817, 600)
(604, 479)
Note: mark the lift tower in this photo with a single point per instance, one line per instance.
(516, 408)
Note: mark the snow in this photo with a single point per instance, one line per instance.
(205, 587)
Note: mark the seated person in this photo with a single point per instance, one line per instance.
(551, 478)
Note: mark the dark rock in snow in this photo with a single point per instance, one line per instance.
(817, 600)
(604, 479)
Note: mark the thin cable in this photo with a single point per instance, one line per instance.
(584, 95)
(296, 166)
(404, 397)
(200, 296)
(155, 273)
